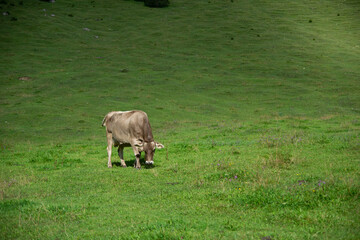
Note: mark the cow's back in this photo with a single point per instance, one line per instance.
(128, 125)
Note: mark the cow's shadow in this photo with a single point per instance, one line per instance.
(130, 163)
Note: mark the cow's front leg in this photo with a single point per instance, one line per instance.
(137, 161)
(121, 155)
(137, 158)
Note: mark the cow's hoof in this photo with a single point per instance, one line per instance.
(149, 162)
(109, 166)
(124, 166)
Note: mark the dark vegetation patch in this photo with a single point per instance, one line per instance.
(15, 205)
(156, 3)
(302, 195)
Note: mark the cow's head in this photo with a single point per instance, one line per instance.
(149, 149)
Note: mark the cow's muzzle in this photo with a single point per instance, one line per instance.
(149, 162)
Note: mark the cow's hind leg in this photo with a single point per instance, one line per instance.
(109, 147)
(109, 155)
(121, 155)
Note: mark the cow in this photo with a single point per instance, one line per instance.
(130, 129)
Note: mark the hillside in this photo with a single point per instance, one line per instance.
(265, 91)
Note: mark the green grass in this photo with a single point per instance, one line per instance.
(256, 102)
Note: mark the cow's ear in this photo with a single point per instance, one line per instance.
(139, 143)
(159, 145)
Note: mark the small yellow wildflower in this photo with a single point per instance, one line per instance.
(313, 190)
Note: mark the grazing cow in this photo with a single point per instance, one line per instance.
(130, 129)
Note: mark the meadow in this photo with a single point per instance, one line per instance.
(257, 104)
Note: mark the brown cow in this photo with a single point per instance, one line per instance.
(130, 129)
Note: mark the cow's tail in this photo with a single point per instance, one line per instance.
(104, 120)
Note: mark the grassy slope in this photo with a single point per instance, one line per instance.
(267, 92)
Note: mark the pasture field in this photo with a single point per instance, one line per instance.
(257, 104)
